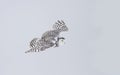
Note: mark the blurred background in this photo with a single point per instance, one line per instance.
(91, 46)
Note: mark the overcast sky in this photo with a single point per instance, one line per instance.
(91, 45)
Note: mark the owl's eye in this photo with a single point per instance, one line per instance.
(62, 40)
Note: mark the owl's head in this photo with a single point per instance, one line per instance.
(61, 41)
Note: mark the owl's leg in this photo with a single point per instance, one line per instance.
(57, 42)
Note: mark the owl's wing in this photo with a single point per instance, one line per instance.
(35, 45)
(41, 45)
(33, 42)
(60, 25)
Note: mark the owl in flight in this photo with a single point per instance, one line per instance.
(49, 39)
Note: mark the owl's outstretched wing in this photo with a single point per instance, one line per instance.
(60, 26)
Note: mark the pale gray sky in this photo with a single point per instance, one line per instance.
(92, 43)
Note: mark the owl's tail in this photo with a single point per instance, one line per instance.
(36, 49)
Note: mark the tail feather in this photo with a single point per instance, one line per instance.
(34, 49)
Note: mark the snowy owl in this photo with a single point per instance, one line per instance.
(49, 39)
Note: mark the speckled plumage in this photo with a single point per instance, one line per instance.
(48, 39)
